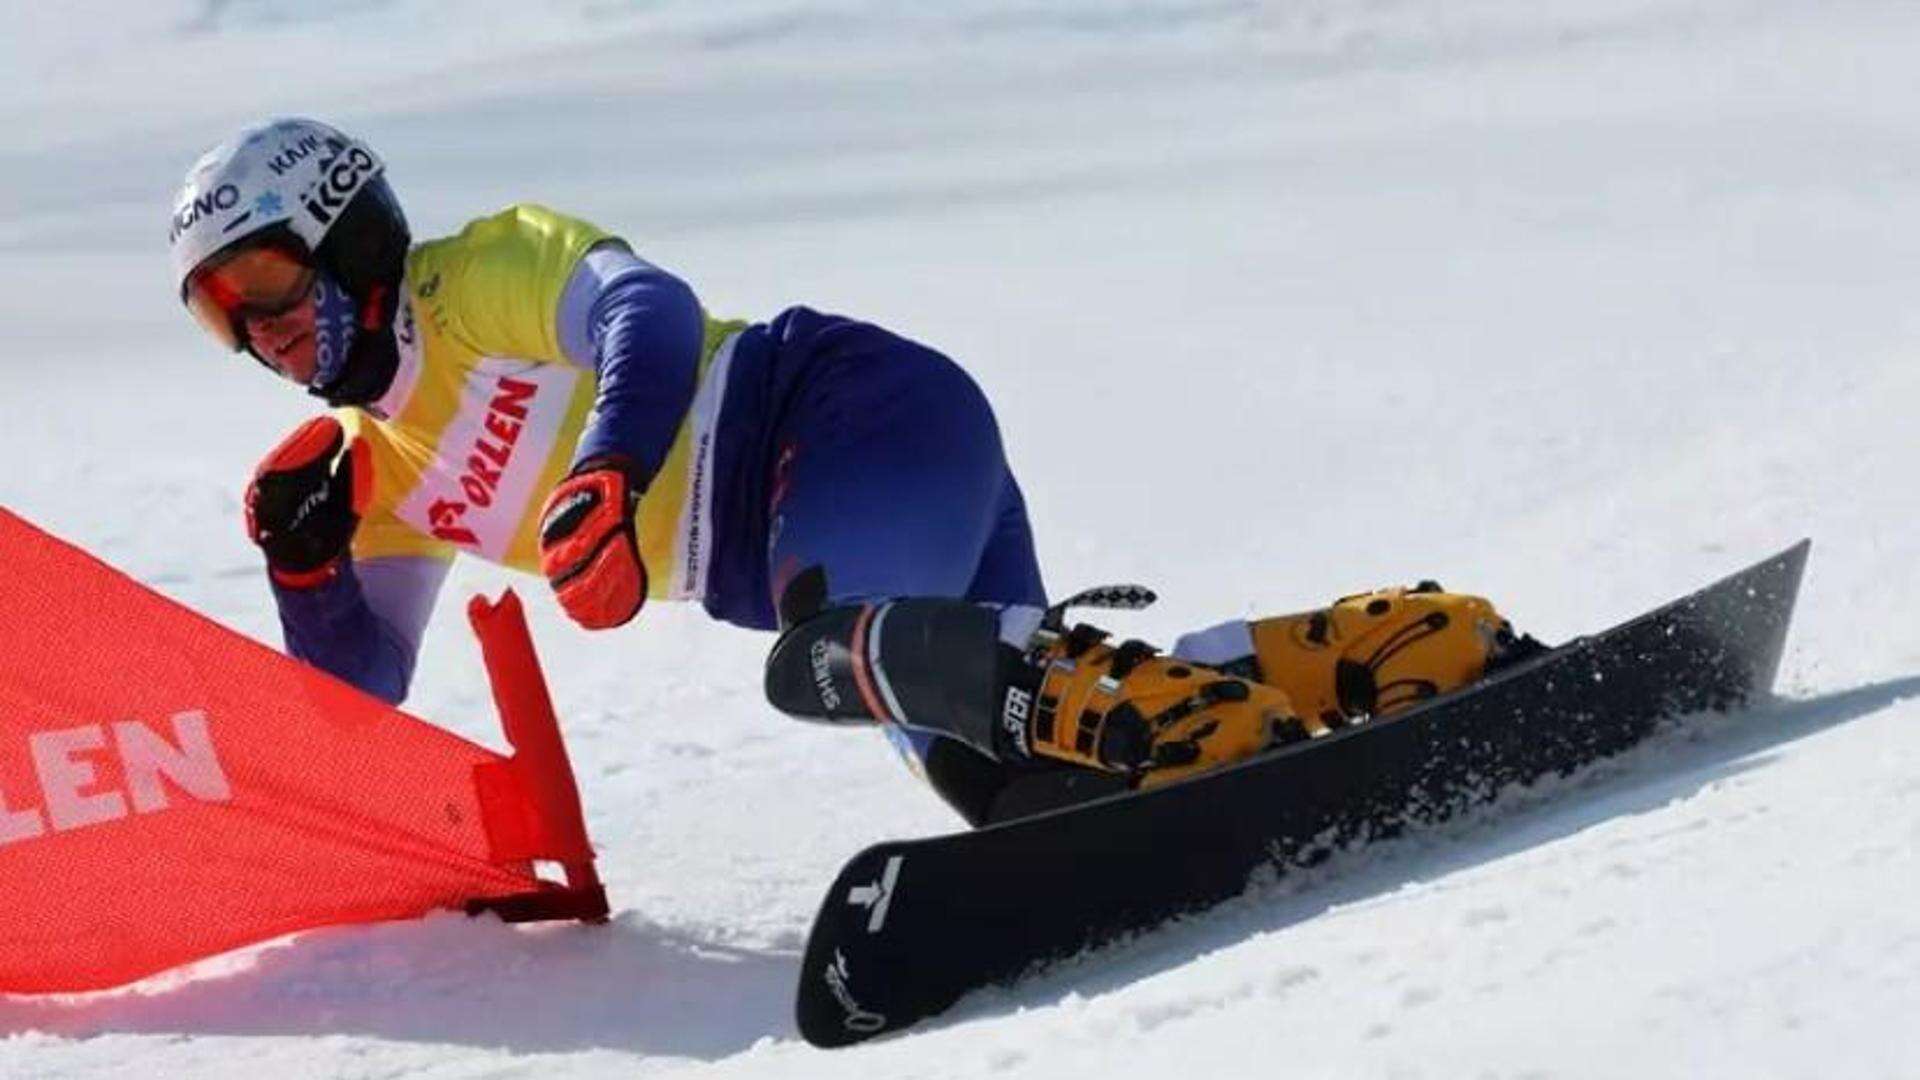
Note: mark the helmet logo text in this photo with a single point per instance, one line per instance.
(289, 156)
(340, 178)
(224, 197)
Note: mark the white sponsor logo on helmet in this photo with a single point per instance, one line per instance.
(264, 177)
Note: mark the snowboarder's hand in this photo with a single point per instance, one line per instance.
(587, 545)
(305, 500)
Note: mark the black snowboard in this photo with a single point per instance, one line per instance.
(909, 926)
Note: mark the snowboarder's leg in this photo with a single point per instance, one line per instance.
(1009, 571)
(892, 483)
(1373, 654)
(1021, 689)
(891, 477)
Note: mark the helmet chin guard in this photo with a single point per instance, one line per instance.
(371, 362)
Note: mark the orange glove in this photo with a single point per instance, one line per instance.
(305, 500)
(587, 545)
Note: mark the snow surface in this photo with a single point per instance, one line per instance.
(1579, 304)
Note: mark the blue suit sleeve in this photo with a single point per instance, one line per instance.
(640, 330)
(364, 626)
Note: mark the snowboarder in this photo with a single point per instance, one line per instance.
(534, 392)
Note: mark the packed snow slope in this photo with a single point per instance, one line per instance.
(1579, 304)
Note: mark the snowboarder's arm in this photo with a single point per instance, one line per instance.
(364, 625)
(639, 329)
(360, 621)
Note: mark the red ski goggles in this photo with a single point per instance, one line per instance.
(252, 283)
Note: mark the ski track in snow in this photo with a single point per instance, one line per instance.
(1577, 304)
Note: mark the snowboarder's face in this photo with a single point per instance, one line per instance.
(284, 340)
(260, 296)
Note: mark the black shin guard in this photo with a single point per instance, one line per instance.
(933, 665)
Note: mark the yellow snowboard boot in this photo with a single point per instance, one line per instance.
(1368, 655)
(1157, 719)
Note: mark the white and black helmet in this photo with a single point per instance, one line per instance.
(302, 184)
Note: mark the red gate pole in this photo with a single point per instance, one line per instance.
(540, 765)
